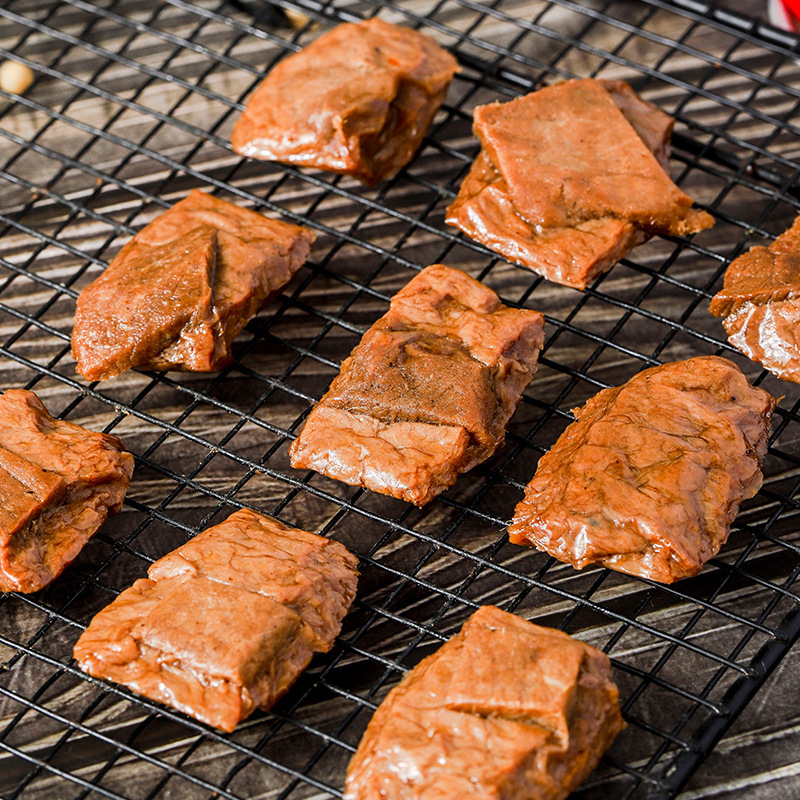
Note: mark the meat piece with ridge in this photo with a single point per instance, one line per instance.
(427, 393)
(357, 101)
(224, 624)
(178, 294)
(760, 304)
(59, 483)
(651, 474)
(570, 178)
(504, 710)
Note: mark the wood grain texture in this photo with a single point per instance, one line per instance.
(84, 165)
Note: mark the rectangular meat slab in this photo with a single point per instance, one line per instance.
(427, 393)
(224, 624)
(178, 294)
(58, 484)
(505, 709)
(651, 474)
(357, 101)
(760, 304)
(570, 178)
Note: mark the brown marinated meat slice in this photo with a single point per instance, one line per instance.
(178, 294)
(760, 303)
(427, 393)
(570, 178)
(651, 474)
(226, 623)
(568, 255)
(212, 651)
(58, 484)
(651, 124)
(141, 306)
(505, 709)
(312, 575)
(358, 101)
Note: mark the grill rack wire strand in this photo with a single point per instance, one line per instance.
(132, 107)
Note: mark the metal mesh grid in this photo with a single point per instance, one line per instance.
(132, 107)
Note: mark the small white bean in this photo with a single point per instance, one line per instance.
(298, 19)
(15, 78)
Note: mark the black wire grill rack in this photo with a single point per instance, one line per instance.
(132, 107)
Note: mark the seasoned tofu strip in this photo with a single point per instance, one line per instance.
(504, 710)
(58, 484)
(226, 623)
(427, 393)
(178, 294)
(651, 474)
(570, 178)
(358, 101)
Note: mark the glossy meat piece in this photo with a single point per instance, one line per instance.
(313, 576)
(651, 474)
(760, 303)
(58, 484)
(505, 709)
(178, 294)
(227, 622)
(358, 101)
(570, 178)
(427, 393)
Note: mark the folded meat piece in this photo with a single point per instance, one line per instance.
(227, 622)
(58, 484)
(760, 301)
(570, 178)
(178, 294)
(358, 101)
(650, 476)
(427, 393)
(505, 709)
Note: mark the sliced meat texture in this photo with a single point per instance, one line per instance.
(226, 623)
(58, 484)
(651, 474)
(570, 178)
(357, 101)
(760, 303)
(178, 294)
(427, 393)
(505, 709)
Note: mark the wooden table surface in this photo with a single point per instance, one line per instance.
(207, 443)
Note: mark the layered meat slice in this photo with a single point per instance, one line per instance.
(651, 474)
(760, 303)
(58, 484)
(570, 178)
(178, 294)
(503, 710)
(358, 101)
(226, 623)
(427, 393)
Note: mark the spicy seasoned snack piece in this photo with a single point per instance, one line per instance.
(570, 178)
(505, 709)
(358, 101)
(760, 303)
(651, 474)
(178, 294)
(226, 623)
(427, 393)
(58, 484)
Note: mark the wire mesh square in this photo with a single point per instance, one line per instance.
(132, 107)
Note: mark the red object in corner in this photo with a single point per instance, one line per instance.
(786, 15)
